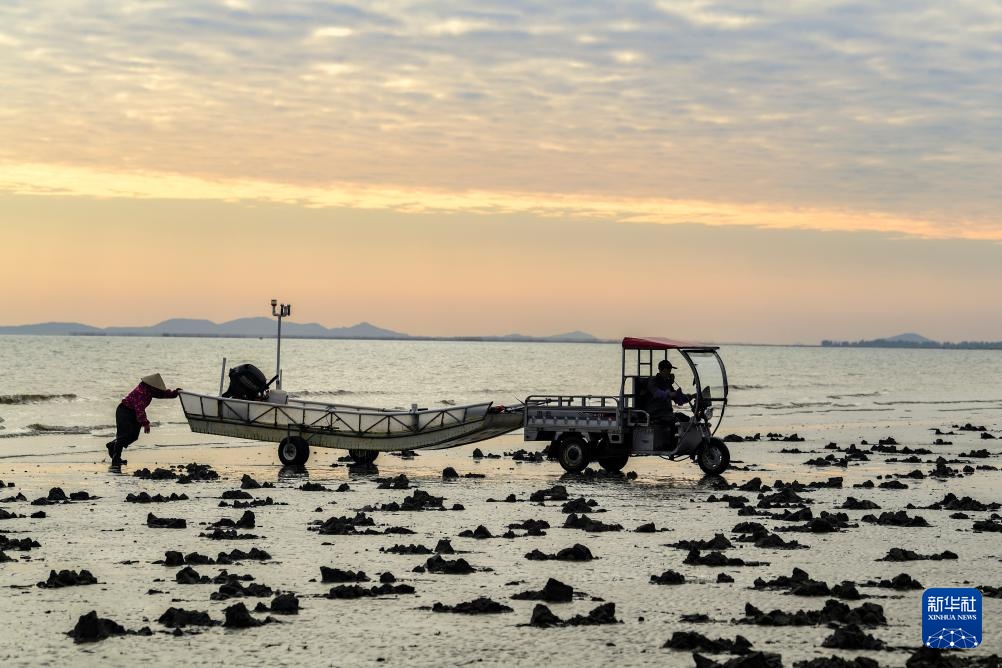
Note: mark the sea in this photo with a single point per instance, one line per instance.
(56, 385)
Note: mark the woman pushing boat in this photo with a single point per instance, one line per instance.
(131, 414)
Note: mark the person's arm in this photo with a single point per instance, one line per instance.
(679, 397)
(141, 417)
(655, 391)
(163, 394)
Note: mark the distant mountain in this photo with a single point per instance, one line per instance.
(910, 337)
(259, 327)
(51, 328)
(576, 335)
(241, 327)
(912, 340)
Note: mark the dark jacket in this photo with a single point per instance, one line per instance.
(662, 394)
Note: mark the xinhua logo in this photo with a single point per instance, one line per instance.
(951, 618)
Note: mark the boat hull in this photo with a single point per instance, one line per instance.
(347, 427)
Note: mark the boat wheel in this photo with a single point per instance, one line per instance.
(293, 451)
(614, 463)
(363, 456)
(573, 454)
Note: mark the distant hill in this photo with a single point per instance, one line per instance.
(259, 327)
(912, 340)
(55, 328)
(909, 337)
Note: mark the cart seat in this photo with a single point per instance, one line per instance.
(641, 397)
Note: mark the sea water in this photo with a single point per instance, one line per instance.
(53, 385)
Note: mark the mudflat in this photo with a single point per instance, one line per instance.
(217, 554)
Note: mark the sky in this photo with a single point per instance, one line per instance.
(771, 172)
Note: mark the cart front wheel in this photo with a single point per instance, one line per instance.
(293, 451)
(573, 454)
(614, 463)
(713, 457)
(363, 456)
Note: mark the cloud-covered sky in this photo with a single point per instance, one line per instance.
(847, 116)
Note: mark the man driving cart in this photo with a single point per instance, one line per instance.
(663, 393)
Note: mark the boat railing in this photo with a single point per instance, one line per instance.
(312, 416)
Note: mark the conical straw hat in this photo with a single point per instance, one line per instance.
(154, 380)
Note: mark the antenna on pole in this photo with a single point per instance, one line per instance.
(280, 311)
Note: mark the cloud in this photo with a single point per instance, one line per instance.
(844, 106)
(84, 182)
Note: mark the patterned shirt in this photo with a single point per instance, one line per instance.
(141, 397)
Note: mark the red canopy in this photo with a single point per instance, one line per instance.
(658, 343)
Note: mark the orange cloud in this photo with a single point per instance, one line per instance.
(63, 180)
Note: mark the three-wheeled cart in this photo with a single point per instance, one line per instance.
(609, 429)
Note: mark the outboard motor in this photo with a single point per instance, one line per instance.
(246, 382)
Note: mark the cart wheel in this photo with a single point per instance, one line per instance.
(363, 456)
(713, 457)
(614, 463)
(573, 454)
(293, 451)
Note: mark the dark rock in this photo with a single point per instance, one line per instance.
(449, 473)
(313, 487)
(900, 554)
(357, 591)
(246, 521)
(542, 617)
(481, 532)
(693, 641)
(852, 636)
(603, 614)
(724, 578)
(718, 542)
(478, 606)
(179, 617)
(285, 604)
(406, 549)
(718, 560)
(669, 577)
(337, 575)
(902, 581)
(981, 525)
(852, 503)
(444, 546)
(576, 552)
(398, 482)
(228, 534)
(343, 526)
(897, 519)
(531, 527)
(91, 628)
(437, 564)
(579, 505)
(7, 543)
(646, 528)
(235, 589)
(66, 578)
(165, 522)
(247, 482)
(189, 575)
(555, 493)
(834, 612)
(255, 554)
(553, 591)
(585, 523)
(144, 497)
(239, 617)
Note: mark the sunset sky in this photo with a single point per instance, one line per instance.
(729, 171)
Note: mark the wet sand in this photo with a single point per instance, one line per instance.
(112, 540)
